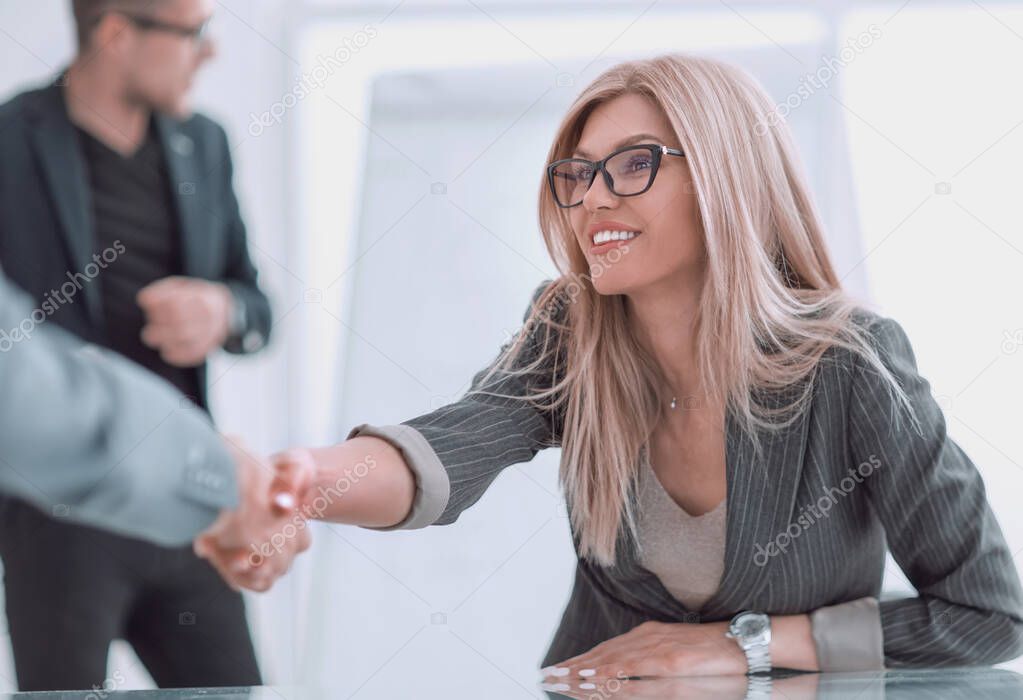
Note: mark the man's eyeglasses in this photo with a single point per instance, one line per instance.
(627, 172)
(197, 34)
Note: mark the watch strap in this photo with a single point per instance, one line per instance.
(758, 658)
(758, 688)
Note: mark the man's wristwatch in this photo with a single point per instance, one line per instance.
(752, 630)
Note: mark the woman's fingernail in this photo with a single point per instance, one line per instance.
(587, 686)
(240, 566)
(553, 671)
(285, 500)
(588, 672)
(555, 686)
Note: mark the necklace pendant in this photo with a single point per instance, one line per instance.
(674, 403)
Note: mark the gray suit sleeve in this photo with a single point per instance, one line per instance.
(88, 435)
(940, 529)
(457, 451)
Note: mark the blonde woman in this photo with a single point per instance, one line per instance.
(739, 437)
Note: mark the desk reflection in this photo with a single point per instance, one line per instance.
(886, 685)
(971, 683)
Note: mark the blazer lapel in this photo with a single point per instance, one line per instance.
(63, 167)
(761, 500)
(186, 183)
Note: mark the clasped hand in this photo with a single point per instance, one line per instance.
(254, 545)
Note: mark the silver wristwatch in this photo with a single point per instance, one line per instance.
(752, 631)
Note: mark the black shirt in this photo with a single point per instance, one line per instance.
(136, 225)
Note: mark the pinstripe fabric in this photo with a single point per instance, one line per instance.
(804, 535)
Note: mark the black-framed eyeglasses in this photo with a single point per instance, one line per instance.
(627, 172)
(197, 34)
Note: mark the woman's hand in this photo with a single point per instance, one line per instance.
(254, 545)
(717, 687)
(656, 649)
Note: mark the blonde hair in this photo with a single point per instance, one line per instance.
(771, 304)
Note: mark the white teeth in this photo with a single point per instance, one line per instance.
(605, 236)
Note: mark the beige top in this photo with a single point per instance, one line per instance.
(686, 552)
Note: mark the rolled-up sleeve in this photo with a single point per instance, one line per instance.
(457, 451)
(848, 636)
(432, 486)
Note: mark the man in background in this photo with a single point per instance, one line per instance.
(118, 217)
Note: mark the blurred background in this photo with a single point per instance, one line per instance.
(388, 156)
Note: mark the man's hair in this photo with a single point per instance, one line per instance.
(88, 12)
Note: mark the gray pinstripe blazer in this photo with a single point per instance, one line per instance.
(803, 534)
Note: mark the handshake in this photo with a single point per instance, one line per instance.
(254, 545)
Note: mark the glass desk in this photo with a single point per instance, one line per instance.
(889, 685)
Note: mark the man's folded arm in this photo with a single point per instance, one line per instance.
(88, 435)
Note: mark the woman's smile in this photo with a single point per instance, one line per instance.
(606, 235)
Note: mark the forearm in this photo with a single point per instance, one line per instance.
(362, 481)
(792, 644)
(932, 631)
(119, 449)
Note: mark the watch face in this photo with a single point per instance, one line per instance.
(750, 625)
